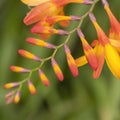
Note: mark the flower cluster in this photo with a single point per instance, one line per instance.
(44, 15)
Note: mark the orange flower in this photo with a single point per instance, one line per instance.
(47, 8)
(106, 50)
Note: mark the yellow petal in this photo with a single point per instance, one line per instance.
(33, 2)
(99, 50)
(81, 61)
(113, 60)
(115, 43)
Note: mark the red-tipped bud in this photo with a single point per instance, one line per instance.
(71, 62)
(11, 85)
(39, 29)
(29, 55)
(31, 87)
(40, 43)
(43, 78)
(57, 69)
(19, 69)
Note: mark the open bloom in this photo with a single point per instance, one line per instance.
(46, 13)
(114, 33)
(45, 8)
(104, 50)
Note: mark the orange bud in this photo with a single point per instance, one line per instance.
(71, 62)
(31, 87)
(19, 69)
(43, 78)
(57, 70)
(17, 97)
(11, 85)
(29, 55)
(40, 43)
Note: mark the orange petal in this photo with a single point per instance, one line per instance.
(89, 52)
(113, 60)
(103, 39)
(81, 61)
(99, 50)
(40, 12)
(115, 25)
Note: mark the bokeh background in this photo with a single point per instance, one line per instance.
(80, 98)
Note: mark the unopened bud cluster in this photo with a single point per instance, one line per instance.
(44, 15)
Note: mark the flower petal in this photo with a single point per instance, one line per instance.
(81, 61)
(99, 50)
(113, 60)
(89, 52)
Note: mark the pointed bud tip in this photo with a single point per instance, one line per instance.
(92, 17)
(63, 32)
(105, 3)
(80, 33)
(75, 17)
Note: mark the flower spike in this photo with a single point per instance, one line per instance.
(71, 62)
(41, 43)
(29, 55)
(43, 78)
(57, 69)
(19, 69)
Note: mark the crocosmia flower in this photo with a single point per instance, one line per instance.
(107, 50)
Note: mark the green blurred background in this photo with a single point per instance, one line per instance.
(81, 98)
